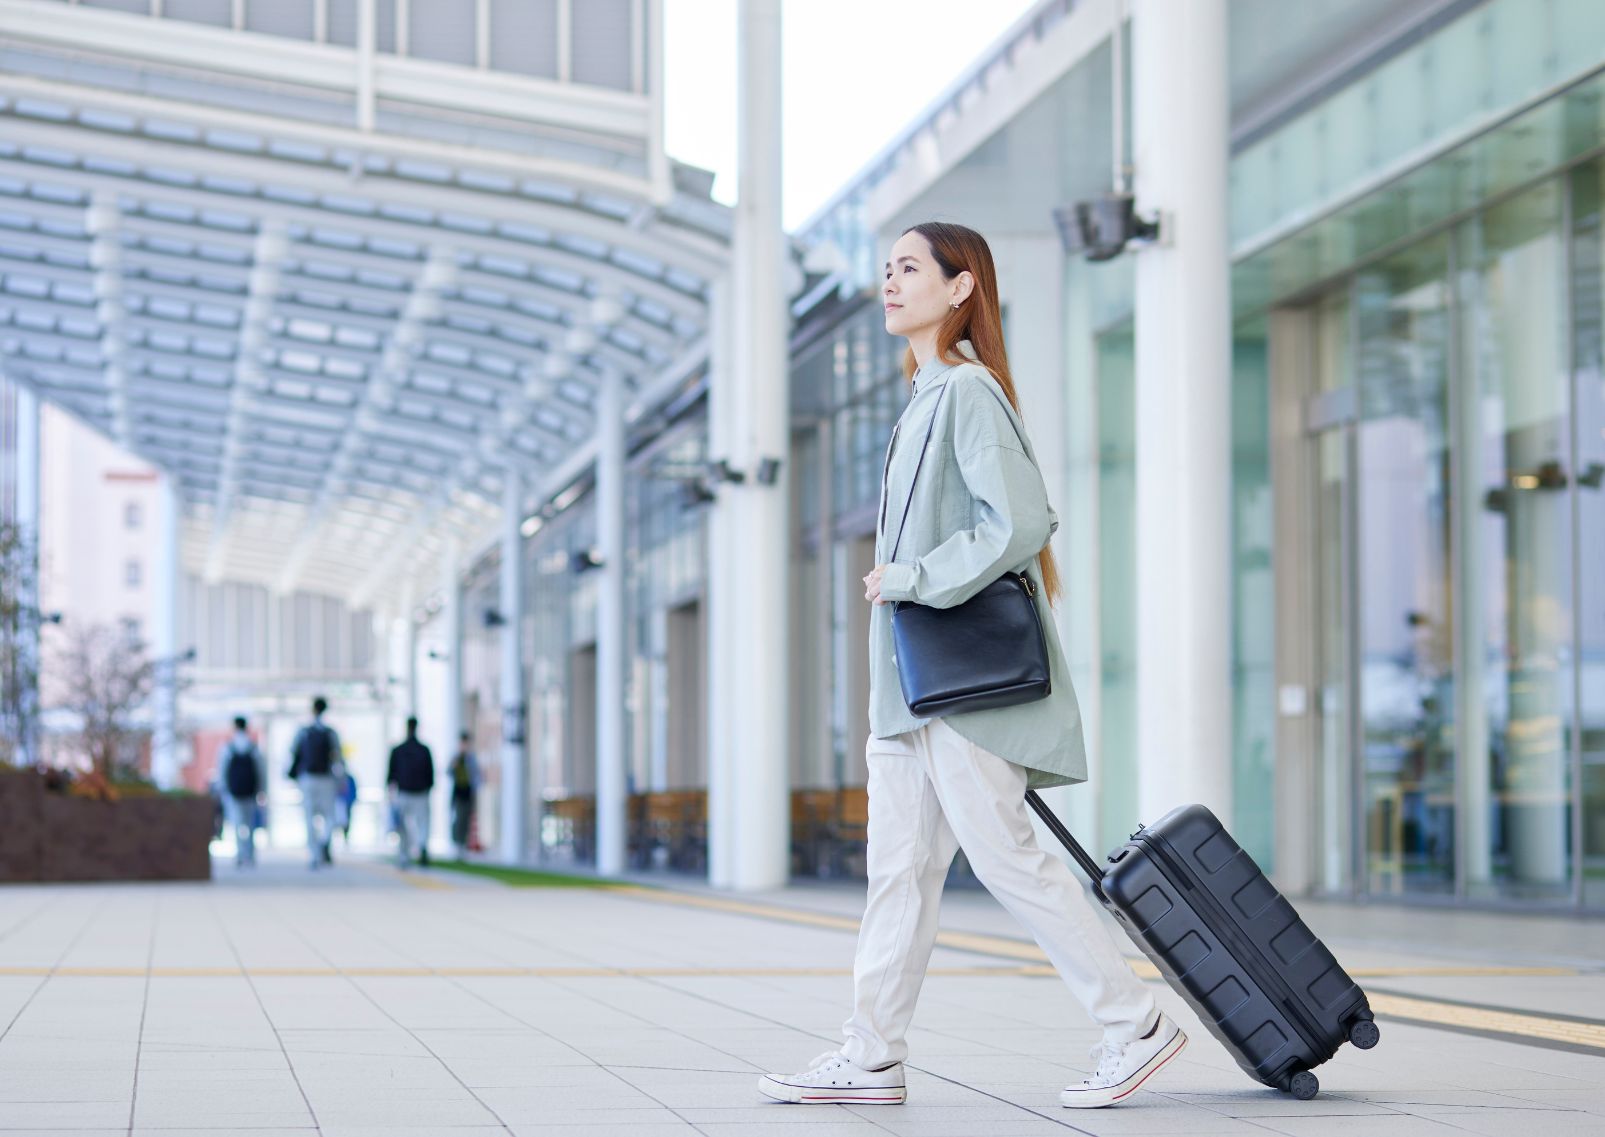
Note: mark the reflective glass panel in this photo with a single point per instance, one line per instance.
(1402, 565)
(1515, 441)
(1333, 708)
(1117, 554)
(1588, 361)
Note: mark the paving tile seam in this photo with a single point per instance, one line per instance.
(144, 1014)
(71, 945)
(473, 1094)
(256, 994)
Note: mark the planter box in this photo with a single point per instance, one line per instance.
(53, 837)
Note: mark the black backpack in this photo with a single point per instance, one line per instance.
(317, 750)
(240, 774)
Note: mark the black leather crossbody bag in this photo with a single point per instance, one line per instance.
(987, 652)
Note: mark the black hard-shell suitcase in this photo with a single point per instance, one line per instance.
(1230, 944)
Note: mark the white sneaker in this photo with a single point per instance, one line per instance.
(1124, 1066)
(832, 1078)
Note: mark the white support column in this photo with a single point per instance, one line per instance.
(409, 644)
(1183, 408)
(565, 40)
(164, 625)
(382, 666)
(651, 76)
(27, 519)
(722, 622)
(761, 665)
(451, 617)
(514, 795)
(611, 786)
(367, 40)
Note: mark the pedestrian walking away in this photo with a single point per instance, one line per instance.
(463, 777)
(410, 779)
(316, 766)
(963, 505)
(345, 802)
(242, 776)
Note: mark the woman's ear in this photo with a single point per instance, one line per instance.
(963, 285)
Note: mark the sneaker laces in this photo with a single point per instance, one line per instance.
(1109, 1056)
(827, 1056)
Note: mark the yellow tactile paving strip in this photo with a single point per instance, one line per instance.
(1018, 949)
(1589, 1034)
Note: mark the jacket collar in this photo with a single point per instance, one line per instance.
(938, 367)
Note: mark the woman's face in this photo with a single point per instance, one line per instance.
(916, 297)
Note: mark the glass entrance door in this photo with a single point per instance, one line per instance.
(1405, 626)
(1385, 653)
(1454, 473)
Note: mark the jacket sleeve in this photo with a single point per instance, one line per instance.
(1014, 519)
(295, 755)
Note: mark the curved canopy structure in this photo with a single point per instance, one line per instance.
(334, 290)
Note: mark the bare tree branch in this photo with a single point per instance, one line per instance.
(105, 677)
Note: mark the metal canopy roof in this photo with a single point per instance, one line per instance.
(334, 339)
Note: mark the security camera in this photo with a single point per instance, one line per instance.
(695, 493)
(1100, 229)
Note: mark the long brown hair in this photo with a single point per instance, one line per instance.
(980, 320)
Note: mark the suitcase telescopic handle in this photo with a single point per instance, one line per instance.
(1089, 866)
(1066, 837)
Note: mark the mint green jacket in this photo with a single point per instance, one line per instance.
(979, 509)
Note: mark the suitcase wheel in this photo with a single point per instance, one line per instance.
(1364, 1034)
(1304, 1085)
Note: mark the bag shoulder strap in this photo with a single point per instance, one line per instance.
(931, 429)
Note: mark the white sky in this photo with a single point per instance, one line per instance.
(855, 73)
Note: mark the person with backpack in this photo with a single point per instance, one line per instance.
(411, 777)
(316, 766)
(243, 775)
(464, 775)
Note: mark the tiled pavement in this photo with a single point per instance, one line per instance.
(360, 1001)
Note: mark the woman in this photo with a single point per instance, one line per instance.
(977, 510)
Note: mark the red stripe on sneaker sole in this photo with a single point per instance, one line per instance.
(1158, 1066)
(1179, 1043)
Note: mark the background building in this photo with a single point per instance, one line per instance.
(1406, 443)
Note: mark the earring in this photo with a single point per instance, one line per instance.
(955, 307)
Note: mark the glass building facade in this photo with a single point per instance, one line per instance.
(1454, 428)
(1417, 464)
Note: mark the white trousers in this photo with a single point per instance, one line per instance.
(932, 792)
(317, 799)
(414, 811)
